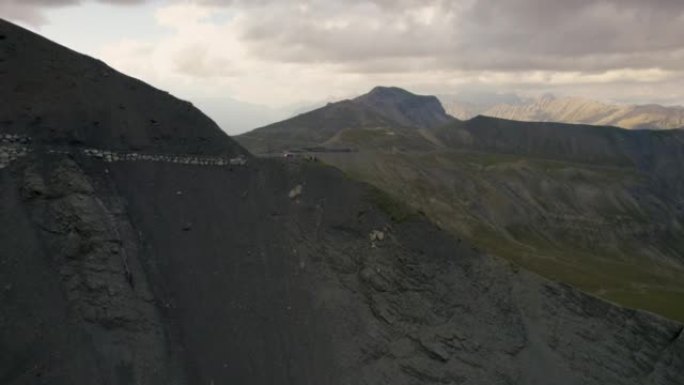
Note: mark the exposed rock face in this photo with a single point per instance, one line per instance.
(96, 273)
(264, 288)
(110, 276)
(406, 108)
(385, 114)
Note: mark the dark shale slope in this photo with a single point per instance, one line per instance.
(183, 269)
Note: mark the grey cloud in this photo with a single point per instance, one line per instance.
(19, 13)
(385, 4)
(578, 26)
(497, 35)
(61, 3)
(196, 60)
(393, 36)
(39, 3)
(506, 35)
(30, 11)
(356, 31)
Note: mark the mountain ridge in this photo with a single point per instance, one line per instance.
(406, 108)
(119, 270)
(129, 115)
(523, 189)
(374, 113)
(549, 108)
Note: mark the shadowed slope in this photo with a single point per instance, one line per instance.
(406, 108)
(596, 207)
(126, 271)
(387, 116)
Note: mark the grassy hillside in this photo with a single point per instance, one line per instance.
(574, 223)
(595, 207)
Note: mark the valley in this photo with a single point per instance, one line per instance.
(577, 204)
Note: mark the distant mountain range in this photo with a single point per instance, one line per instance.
(549, 108)
(594, 206)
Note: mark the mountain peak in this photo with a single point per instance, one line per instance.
(406, 108)
(389, 91)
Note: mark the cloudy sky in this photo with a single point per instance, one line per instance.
(269, 57)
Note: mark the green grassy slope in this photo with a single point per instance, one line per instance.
(574, 223)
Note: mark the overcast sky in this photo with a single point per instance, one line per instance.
(285, 53)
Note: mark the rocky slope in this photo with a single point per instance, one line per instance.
(575, 110)
(132, 255)
(388, 115)
(405, 108)
(596, 207)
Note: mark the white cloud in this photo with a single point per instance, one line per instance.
(204, 57)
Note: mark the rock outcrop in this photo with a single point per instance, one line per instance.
(406, 108)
